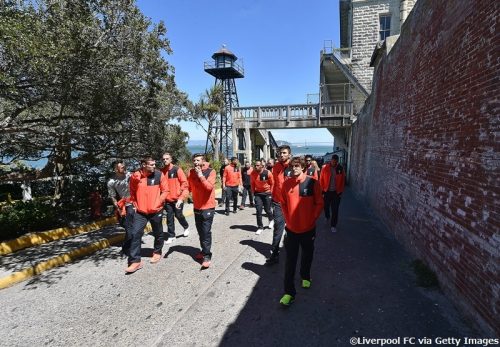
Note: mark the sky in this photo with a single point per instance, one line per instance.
(278, 43)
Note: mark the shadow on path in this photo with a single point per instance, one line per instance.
(362, 285)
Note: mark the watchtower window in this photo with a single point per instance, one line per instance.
(385, 26)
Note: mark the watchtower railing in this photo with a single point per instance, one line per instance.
(294, 112)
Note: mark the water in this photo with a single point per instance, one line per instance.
(314, 150)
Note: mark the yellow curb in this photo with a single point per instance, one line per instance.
(50, 235)
(35, 239)
(62, 259)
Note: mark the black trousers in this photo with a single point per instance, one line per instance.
(279, 227)
(171, 212)
(332, 203)
(140, 221)
(263, 200)
(246, 191)
(231, 192)
(204, 220)
(294, 241)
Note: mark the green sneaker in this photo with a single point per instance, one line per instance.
(306, 284)
(287, 300)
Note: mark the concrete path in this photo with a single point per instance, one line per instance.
(362, 286)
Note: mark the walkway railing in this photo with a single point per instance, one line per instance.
(294, 112)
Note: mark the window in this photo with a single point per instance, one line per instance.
(385, 26)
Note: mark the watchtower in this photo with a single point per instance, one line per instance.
(225, 70)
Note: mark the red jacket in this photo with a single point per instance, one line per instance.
(202, 188)
(177, 183)
(148, 191)
(326, 173)
(232, 176)
(261, 182)
(281, 172)
(312, 172)
(302, 203)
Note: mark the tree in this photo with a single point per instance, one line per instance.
(84, 81)
(206, 115)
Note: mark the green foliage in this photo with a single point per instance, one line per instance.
(82, 82)
(22, 217)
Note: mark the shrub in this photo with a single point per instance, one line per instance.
(23, 217)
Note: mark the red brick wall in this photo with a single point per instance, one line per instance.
(425, 149)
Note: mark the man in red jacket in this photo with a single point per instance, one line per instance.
(232, 183)
(148, 190)
(332, 182)
(310, 169)
(201, 180)
(281, 172)
(301, 204)
(178, 192)
(261, 183)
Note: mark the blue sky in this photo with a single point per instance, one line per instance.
(278, 43)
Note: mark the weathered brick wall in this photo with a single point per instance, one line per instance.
(426, 149)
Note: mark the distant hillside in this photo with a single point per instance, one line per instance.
(281, 143)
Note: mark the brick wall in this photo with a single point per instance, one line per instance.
(425, 149)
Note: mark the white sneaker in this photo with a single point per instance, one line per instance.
(271, 225)
(333, 230)
(186, 232)
(170, 240)
(259, 231)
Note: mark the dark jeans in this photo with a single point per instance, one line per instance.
(140, 221)
(246, 191)
(223, 196)
(203, 220)
(279, 227)
(332, 203)
(172, 211)
(292, 243)
(263, 200)
(231, 192)
(127, 223)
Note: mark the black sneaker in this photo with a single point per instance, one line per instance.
(226, 213)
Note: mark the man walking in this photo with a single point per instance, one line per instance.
(148, 190)
(177, 193)
(118, 191)
(301, 205)
(231, 183)
(262, 185)
(201, 181)
(281, 172)
(332, 182)
(245, 177)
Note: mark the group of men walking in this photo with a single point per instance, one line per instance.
(289, 192)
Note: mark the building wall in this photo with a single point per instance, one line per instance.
(425, 149)
(365, 31)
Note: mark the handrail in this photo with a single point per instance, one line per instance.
(293, 112)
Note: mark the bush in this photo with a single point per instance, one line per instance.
(23, 217)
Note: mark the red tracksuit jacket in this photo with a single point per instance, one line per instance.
(177, 183)
(302, 203)
(280, 174)
(202, 188)
(148, 191)
(324, 179)
(262, 182)
(232, 176)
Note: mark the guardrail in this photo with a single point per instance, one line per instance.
(293, 112)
